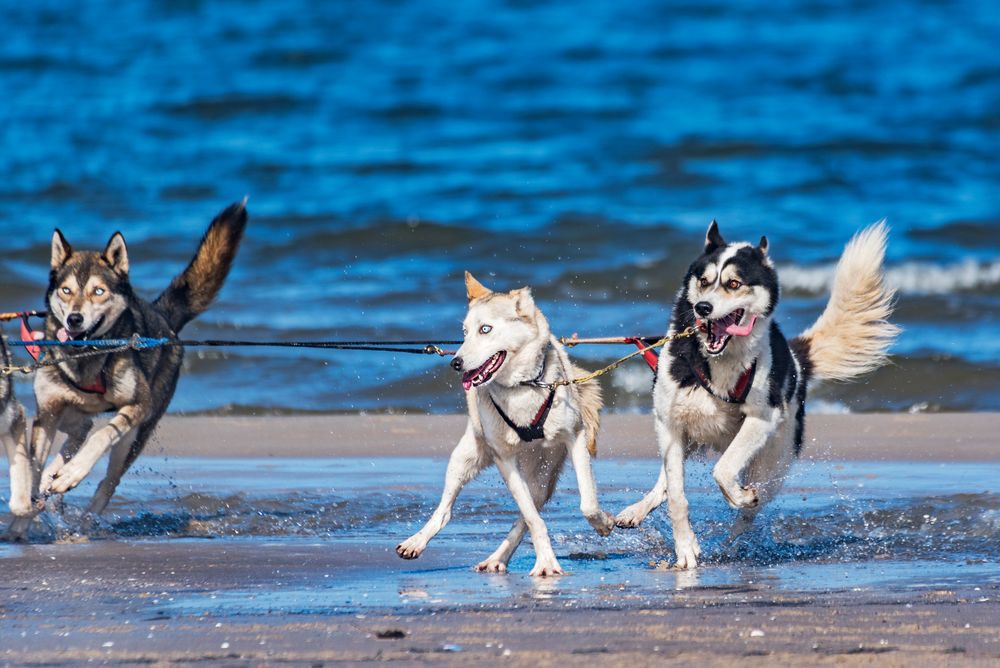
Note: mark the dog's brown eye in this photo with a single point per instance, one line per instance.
(733, 284)
(704, 282)
(485, 329)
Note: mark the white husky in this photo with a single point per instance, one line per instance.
(737, 386)
(518, 422)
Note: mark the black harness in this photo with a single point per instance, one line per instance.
(536, 429)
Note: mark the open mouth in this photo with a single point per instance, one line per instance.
(719, 332)
(483, 374)
(65, 334)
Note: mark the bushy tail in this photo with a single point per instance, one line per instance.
(193, 290)
(590, 408)
(853, 335)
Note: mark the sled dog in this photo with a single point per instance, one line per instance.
(738, 387)
(518, 422)
(90, 297)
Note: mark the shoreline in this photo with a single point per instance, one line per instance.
(945, 437)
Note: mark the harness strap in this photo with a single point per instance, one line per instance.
(27, 336)
(740, 391)
(535, 430)
(648, 354)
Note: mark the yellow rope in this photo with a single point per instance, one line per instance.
(614, 365)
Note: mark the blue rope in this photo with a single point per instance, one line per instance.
(139, 342)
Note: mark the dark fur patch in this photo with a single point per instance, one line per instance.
(782, 379)
(751, 265)
(800, 347)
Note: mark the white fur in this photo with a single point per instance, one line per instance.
(852, 336)
(530, 470)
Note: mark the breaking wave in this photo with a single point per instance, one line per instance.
(908, 278)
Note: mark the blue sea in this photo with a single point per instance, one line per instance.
(580, 148)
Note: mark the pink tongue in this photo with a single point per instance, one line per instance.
(737, 330)
(62, 335)
(466, 384)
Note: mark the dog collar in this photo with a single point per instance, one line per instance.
(740, 391)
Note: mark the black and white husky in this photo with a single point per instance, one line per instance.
(738, 387)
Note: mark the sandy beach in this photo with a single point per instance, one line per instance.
(270, 540)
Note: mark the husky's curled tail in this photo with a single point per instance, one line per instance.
(193, 291)
(853, 335)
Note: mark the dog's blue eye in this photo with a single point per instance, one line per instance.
(98, 291)
(66, 291)
(485, 329)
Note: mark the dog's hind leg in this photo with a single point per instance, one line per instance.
(542, 473)
(466, 461)
(545, 558)
(118, 464)
(633, 516)
(602, 522)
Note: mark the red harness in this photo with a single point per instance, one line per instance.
(737, 395)
(28, 335)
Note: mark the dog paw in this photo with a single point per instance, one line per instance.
(631, 517)
(545, 568)
(603, 523)
(687, 554)
(491, 566)
(411, 548)
(741, 497)
(64, 480)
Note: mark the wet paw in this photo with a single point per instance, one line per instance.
(687, 554)
(64, 480)
(741, 497)
(546, 568)
(603, 523)
(491, 566)
(630, 518)
(411, 548)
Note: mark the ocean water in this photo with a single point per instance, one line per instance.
(580, 148)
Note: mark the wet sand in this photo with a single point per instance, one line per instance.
(169, 581)
(865, 437)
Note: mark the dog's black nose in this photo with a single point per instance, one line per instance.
(704, 309)
(74, 320)
(456, 363)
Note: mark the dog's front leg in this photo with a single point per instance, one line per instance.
(127, 419)
(545, 559)
(749, 441)
(602, 522)
(465, 463)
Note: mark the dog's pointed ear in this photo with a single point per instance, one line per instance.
(61, 250)
(525, 303)
(713, 238)
(474, 289)
(116, 254)
(762, 246)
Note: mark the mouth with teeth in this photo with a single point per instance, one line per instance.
(64, 334)
(484, 373)
(719, 332)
